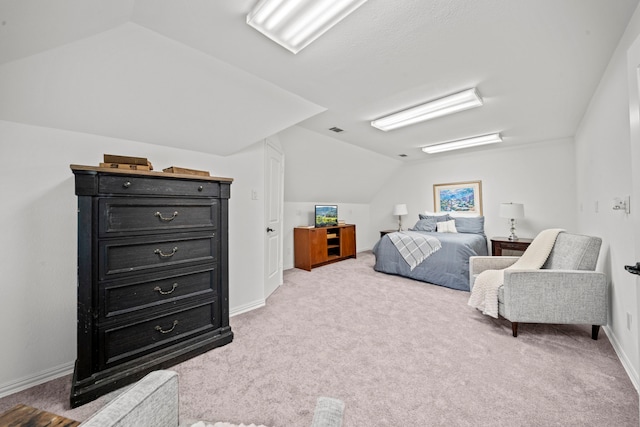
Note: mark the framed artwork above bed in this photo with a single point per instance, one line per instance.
(461, 197)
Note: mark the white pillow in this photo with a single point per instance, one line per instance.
(446, 226)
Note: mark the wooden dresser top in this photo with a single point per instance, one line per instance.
(115, 171)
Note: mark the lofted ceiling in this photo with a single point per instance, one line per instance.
(194, 75)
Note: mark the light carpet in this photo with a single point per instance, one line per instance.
(398, 352)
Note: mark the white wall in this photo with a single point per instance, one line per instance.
(319, 167)
(604, 165)
(540, 175)
(39, 239)
(246, 228)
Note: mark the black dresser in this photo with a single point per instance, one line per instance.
(153, 284)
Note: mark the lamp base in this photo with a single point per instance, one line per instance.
(513, 236)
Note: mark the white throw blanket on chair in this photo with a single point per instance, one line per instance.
(484, 295)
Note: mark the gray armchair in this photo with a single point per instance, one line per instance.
(566, 290)
(153, 402)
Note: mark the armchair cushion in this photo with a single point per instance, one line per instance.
(574, 252)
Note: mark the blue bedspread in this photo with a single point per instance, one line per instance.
(447, 267)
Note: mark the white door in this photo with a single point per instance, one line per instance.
(274, 200)
(633, 73)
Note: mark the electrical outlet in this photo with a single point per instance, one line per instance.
(595, 206)
(629, 320)
(254, 194)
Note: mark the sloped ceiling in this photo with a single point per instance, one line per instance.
(194, 75)
(132, 83)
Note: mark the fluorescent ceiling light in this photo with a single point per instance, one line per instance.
(463, 143)
(440, 107)
(296, 23)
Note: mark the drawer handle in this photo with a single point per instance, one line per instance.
(169, 218)
(163, 255)
(162, 331)
(159, 289)
(200, 188)
(127, 184)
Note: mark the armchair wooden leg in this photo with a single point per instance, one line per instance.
(595, 329)
(514, 328)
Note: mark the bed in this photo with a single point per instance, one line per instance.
(448, 266)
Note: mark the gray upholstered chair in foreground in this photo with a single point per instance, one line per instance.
(153, 402)
(566, 290)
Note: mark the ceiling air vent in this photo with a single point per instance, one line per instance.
(336, 129)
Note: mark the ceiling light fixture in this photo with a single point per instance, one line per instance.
(463, 143)
(440, 107)
(294, 23)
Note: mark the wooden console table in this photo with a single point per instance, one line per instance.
(314, 247)
(23, 415)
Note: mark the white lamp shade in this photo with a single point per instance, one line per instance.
(400, 210)
(512, 210)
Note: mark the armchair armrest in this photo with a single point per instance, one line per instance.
(152, 401)
(478, 264)
(328, 412)
(555, 296)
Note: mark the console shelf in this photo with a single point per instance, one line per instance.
(314, 247)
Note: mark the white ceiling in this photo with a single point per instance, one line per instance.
(194, 75)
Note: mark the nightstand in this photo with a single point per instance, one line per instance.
(383, 232)
(498, 244)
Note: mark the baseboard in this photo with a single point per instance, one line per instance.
(247, 307)
(33, 380)
(626, 363)
(67, 368)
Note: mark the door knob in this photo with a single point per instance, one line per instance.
(269, 229)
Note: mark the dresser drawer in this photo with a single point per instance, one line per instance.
(119, 256)
(133, 215)
(121, 298)
(513, 246)
(149, 186)
(136, 339)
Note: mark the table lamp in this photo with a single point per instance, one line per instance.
(512, 211)
(400, 210)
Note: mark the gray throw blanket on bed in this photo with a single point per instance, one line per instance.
(414, 247)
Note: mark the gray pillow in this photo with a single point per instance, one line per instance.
(426, 224)
(473, 224)
(438, 218)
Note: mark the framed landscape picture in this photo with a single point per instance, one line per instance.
(463, 197)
